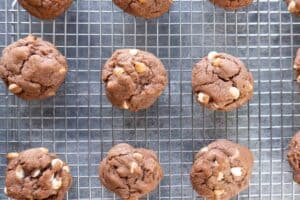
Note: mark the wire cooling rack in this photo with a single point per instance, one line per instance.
(81, 126)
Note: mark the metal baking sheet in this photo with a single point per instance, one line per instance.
(81, 126)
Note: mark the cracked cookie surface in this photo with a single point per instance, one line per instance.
(222, 82)
(293, 6)
(36, 174)
(221, 170)
(232, 4)
(147, 9)
(46, 9)
(130, 172)
(294, 156)
(134, 79)
(32, 68)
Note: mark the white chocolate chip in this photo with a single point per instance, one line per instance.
(236, 171)
(36, 173)
(216, 106)
(204, 149)
(295, 67)
(219, 192)
(118, 71)
(125, 105)
(249, 87)
(133, 52)
(138, 156)
(292, 6)
(12, 155)
(44, 150)
(235, 155)
(298, 79)
(216, 163)
(140, 67)
(14, 88)
(5, 191)
(56, 183)
(133, 167)
(20, 174)
(62, 70)
(51, 94)
(216, 62)
(57, 163)
(203, 98)
(31, 38)
(220, 176)
(235, 92)
(212, 55)
(66, 168)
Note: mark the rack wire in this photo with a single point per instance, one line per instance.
(80, 125)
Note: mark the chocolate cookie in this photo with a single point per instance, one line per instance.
(36, 174)
(232, 4)
(46, 9)
(297, 66)
(222, 82)
(130, 173)
(221, 170)
(293, 6)
(32, 68)
(147, 9)
(133, 79)
(294, 156)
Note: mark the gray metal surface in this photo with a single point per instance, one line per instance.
(81, 126)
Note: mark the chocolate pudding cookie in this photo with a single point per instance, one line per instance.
(294, 156)
(221, 170)
(293, 6)
(222, 82)
(297, 65)
(46, 9)
(130, 172)
(133, 79)
(36, 174)
(147, 9)
(32, 68)
(232, 4)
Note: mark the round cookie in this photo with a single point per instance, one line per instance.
(222, 82)
(130, 172)
(36, 174)
(232, 4)
(32, 68)
(294, 156)
(133, 79)
(147, 9)
(293, 6)
(297, 65)
(46, 9)
(221, 170)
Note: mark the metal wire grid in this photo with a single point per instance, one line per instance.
(81, 126)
